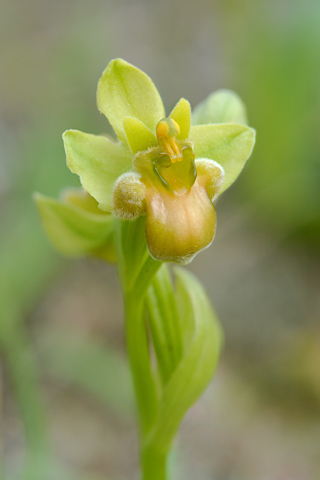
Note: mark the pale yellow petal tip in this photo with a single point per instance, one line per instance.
(129, 197)
(69, 134)
(181, 114)
(68, 137)
(120, 62)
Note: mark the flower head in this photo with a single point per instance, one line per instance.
(161, 166)
(175, 191)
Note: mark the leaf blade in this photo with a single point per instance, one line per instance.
(75, 231)
(126, 91)
(98, 161)
(196, 367)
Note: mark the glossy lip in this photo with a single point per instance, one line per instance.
(178, 227)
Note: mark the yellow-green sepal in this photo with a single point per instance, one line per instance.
(228, 144)
(98, 161)
(76, 226)
(126, 91)
(139, 136)
(222, 106)
(182, 115)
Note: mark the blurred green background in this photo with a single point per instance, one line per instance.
(67, 409)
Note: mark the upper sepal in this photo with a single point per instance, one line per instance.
(126, 91)
(76, 226)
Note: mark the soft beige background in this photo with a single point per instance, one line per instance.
(259, 419)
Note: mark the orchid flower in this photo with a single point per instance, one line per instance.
(160, 166)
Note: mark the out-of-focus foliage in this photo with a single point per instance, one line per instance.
(275, 61)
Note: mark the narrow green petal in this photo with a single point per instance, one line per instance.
(98, 162)
(139, 136)
(126, 91)
(222, 106)
(182, 115)
(228, 144)
(76, 231)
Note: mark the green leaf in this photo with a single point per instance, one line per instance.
(98, 161)
(182, 115)
(162, 319)
(228, 144)
(76, 231)
(126, 91)
(201, 338)
(223, 106)
(139, 136)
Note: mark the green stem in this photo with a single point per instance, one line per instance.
(153, 464)
(136, 271)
